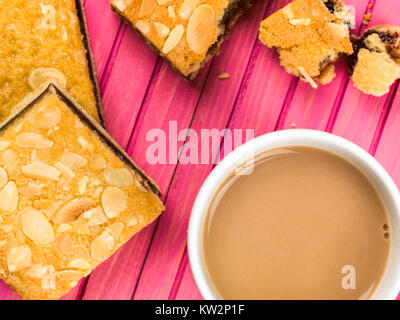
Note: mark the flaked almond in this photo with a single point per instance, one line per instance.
(73, 209)
(64, 244)
(300, 22)
(49, 282)
(132, 222)
(69, 275)
(36, 227)
(116, 229)
(46, 206)
(95, 216)
(163, 2)
(73, 160)
(119, 4)
(66, 171)
(41, 76)
(162, 29)
(339, 30)
(143, 26)
(35, 271)
(101, 247)
(40, 170)
(80, 264)
(171, 12)
(4, 145)
(307, 78)
(114, 201)
(85, 144)
(64, 227)
(120, 177)
(9, 197)
(201, 29)
(173, 39)
(99, 163)
(82, 185)
(49, 19)
(10, 160)
(3, 177)
(287, 12)
(146, 8)
(19, 258)
(187, 8)
(33, 140)
(31, 189)
(47, 117)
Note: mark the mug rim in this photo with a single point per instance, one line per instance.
(361, 159)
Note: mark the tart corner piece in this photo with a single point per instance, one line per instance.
(69, 196)
(309, 35)
(186, 33)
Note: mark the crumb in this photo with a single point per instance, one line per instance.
(366, 19)
(224, 75)
(292, 125)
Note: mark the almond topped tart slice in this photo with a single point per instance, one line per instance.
(187, 33)
(69, 196)
(45, 41)
(375, 63)
(309, 35)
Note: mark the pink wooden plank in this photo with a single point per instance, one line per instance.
(312, 108)
(103, 27)
(213, 112)
(360, 114)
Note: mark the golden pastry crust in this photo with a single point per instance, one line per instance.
(69, 197)
(375, 64)
(45, 40)
(309, 35)
(187, 33)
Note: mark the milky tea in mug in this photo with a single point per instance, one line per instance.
(306, 224)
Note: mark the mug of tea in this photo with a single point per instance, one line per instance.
(297, 214)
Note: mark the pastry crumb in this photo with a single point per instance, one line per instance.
(224, 75)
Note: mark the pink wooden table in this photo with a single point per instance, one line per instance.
(140, 92)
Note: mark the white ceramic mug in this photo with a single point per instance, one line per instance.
(389, 286)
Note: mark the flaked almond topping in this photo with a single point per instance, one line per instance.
(116, 229)
(49, 19)
(3, 177)
(120, 5)
(10, 160)
(307, 78)
(19, 258)
(4, 145)
(31, 189)
(40, 170)
(73, 209)
(162, 29)
(67, 172)
(143, 27)
(300, 22)
(82, 185)
(47, 117)
(162, 2)
(80, 57)
(48, 207)
(41, 76)
(73, 160)
(132, 222)
(187, 8)
(99, 163)
(173, 39)
(201, 29)
(171, 12)
(119, 177)
(339, 30)
(80, 264)
(36, 227)
(114, 201)
(146, 8)
(9, 197)
(95, 216)
(101, 247)
(69, 275)
(287, 12)
(85, 144)
(33, 140)
(64, 227)
(49, 282)
(36, 271)
(64, 244)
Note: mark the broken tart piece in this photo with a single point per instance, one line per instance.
(375, 63)
(42, 41)
(309, 36)
(187, 33)
(69, 196)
